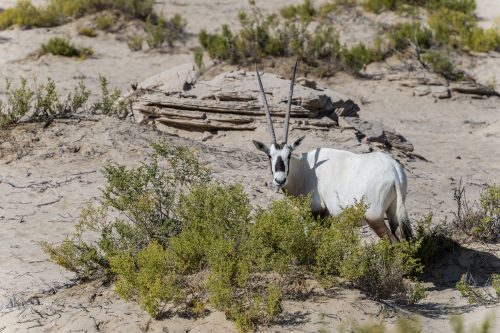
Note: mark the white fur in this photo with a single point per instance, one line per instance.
(338, 178)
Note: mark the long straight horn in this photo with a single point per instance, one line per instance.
(287, 117)
(266, 107)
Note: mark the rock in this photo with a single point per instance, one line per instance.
(375, 132)
(174, 80)
(303, 81)
(395, 140)
(230, 101)
(206, 136)
(372, 132)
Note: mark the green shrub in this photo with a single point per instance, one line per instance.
(104, 22)
(433, 240)
(340, 246)
(40, 103)
(135, 43)
(285, 236)
(148, 277)
(145, 198)
(465, 6)
(460, 30)
(210, 214)
(26, 15)
(198, 59)
(88, 32)
(43, 103)
(486, 325)
(218, 46)
(19, 101)
(77, 100)
(290, 35)
(495, 283)
(357, 57)
(441, 64)
(166, 234)
(57, 12)
(160, 31)
(379, 5)
(304, 12)
(63, 47)
(405, 34)
(77, 255)
(380, 269)
(109, 103)
(452, 28)
(470, 291)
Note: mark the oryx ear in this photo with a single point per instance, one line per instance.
(260, 146)
(297, 143)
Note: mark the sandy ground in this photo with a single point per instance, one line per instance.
(48, 174)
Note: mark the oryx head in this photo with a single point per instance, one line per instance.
(279, 153)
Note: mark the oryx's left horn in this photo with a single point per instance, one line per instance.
(287, 117)
(266, 107)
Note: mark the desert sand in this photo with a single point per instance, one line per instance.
(48, 174)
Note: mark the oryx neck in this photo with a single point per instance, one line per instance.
(295, 177)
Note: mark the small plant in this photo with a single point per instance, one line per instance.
(495, 283)
(357, 57)
(88, 32)
(109, 103)
(104, 22)
(433, 240)
(459, 30)
(160, 31)
(63, 47)
(135, 43)
(19, 101)
(77, 100)
(468, 289)
(304, 12)
(148, 276)
(465, 6)
(406, 34)
(441, 64)
(478, 221)
(198, 60)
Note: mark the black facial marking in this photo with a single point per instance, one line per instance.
(280, 165)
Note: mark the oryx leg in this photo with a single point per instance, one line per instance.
(380, 228)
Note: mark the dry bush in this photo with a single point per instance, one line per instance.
(478, 221)
(475, 294)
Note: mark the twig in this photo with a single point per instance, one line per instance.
(481, 91)
(50, 203)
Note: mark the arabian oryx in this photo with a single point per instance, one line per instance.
(338, 178)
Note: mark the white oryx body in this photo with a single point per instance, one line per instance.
(338, 178)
